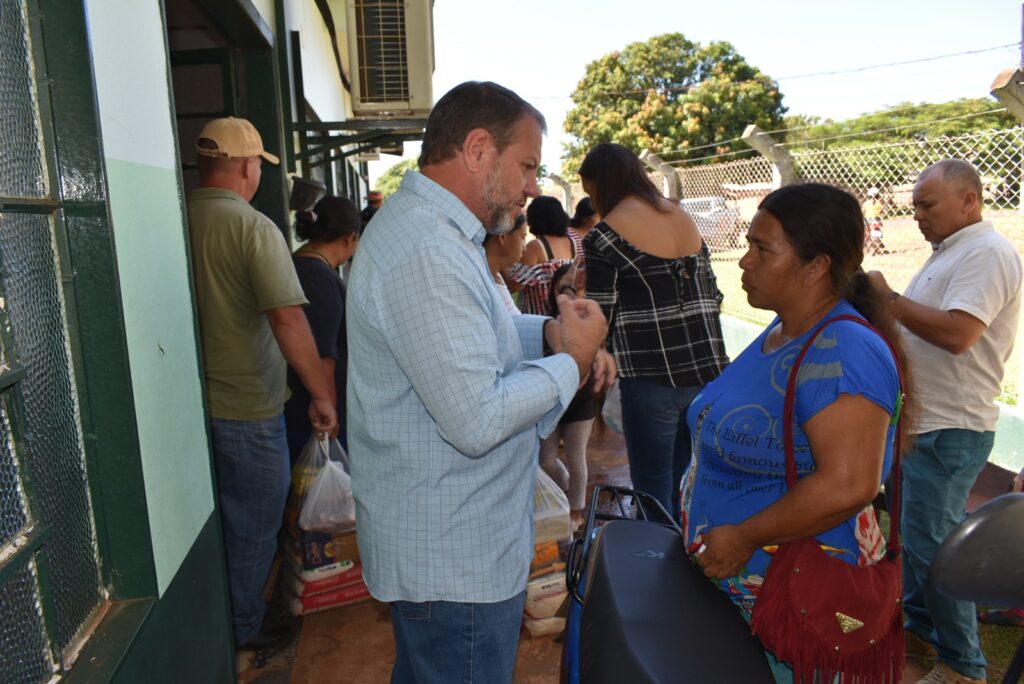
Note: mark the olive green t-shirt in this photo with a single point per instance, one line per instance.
(242, 269)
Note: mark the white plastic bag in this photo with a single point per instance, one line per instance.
(611, 412)
(329, 506)
(550, 510)
(314, 454)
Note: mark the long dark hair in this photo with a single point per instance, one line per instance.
(822, 220)
(331, 218)
(616, 174)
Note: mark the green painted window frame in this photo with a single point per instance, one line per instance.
(85, 249)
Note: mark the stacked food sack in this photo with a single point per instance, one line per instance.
(545, 591)
(322, 568)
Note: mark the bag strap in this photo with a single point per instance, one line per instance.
(787, 417)
(547, 247)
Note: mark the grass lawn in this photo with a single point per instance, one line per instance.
(999, 644)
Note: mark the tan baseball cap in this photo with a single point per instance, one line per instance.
(232, 138)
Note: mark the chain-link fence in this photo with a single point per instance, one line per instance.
(722, 198)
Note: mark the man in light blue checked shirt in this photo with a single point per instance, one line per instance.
(448, 393)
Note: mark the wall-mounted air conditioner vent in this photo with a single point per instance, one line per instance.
(391, 57)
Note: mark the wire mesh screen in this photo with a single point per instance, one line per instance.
(43, 486)
(722, 198)
(52, 452)
(12, 500)
(21, 162)
(23, 646)
(882, 177)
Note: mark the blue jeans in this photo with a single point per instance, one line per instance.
(456, 643)
(251, 457)
(657, 438)
(937, 477)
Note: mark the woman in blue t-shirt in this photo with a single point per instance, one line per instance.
(803, 263)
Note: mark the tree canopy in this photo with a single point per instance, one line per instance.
(669, 95)
(898, 123)
(388, 182)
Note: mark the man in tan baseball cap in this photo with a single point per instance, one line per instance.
(252, 328)
(229, 138)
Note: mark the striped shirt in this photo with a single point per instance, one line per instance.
(535, 297)
(536, 283)
(663, 314)
(447, 395)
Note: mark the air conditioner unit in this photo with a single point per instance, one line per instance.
(391, 57)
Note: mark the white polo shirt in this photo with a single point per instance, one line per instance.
(976, 270)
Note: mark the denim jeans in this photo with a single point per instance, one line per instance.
(657, 438)
(251, 458)
(456, 643)
(937, 477)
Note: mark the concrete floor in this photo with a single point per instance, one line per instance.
(355, 644)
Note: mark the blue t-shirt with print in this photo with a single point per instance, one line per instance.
(739, 464)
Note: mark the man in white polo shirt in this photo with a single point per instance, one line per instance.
(959, 317)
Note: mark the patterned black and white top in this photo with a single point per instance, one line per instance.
(663, 314)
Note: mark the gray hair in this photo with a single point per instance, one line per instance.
(958, 173)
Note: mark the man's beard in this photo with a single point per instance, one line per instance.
(500, 219)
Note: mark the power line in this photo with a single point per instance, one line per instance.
(825, 139)
(702, 147)
(858, 70)
(893, 128)
(853, 70)
(720, 143)
(823, 123)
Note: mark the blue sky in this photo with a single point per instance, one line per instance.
(541, 49)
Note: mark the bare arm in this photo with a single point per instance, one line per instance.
(328, 365)
(291, 330)
(533, 253)
(954, 331)
(847, 439)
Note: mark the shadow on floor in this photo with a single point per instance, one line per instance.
(354, 643)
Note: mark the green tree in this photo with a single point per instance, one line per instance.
(669, 95)
(388, 182)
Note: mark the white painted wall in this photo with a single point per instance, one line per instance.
(320, 76)
(266, 10)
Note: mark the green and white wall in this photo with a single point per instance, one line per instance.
(140, 155)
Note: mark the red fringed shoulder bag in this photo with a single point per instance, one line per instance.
(820, 614)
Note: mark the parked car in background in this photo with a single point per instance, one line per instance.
(719, 224)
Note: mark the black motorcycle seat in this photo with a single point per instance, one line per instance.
(982, 559)
(650, 615)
